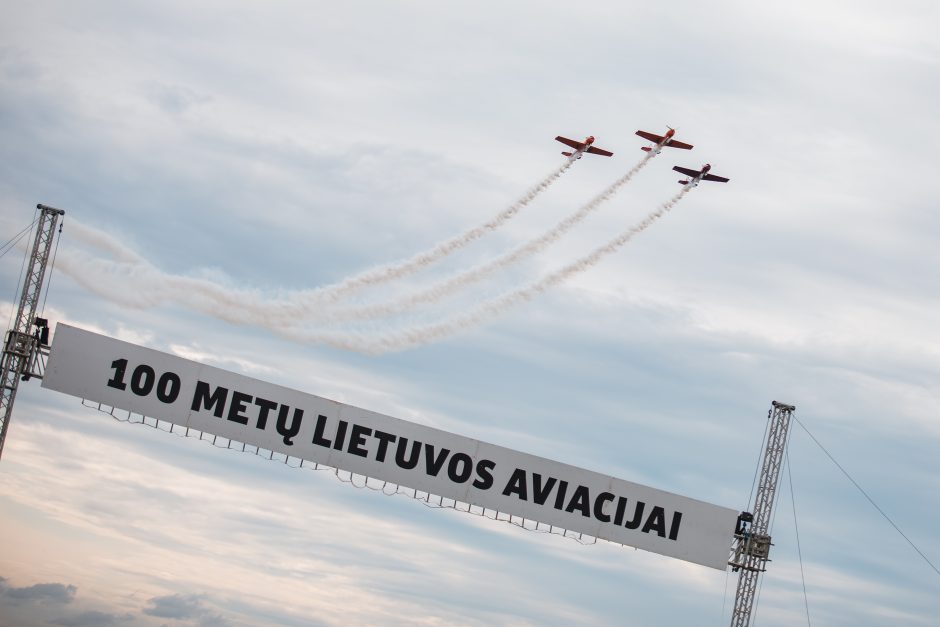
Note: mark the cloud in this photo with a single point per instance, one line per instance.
(51, 604)
(93, 618)
(184, 607)
(178, 606)
(38, 593)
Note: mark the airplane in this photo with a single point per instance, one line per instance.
(662, 140)
(582, 147)
(699, 175)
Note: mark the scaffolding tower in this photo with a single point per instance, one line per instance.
(27, 342)
(751, 548)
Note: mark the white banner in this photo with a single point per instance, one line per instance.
(158, 385)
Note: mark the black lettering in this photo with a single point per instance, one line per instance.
(340, 437)
(433, 464)
(239, 404)
(674, 528)
(117, 381)
(603, 497)
(517, 485)
(540, 492)
(637, 516)
(463, 474)
(357, 438)
(384, 440)
(264, 407)
(656, 522)
(168, 387)
(142, 380)
(621, 510)
(202, 398)
(580, 501)
(560, 495)
(318, 438)
(484, 479)
(412, 461)
(289, 432)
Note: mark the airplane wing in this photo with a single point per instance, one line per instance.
(674, 144)
(688, 171)
(713, 177)
(599, 151)
(651, 136)
(570, 142)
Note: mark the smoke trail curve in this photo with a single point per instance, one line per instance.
(229, 305)
(151, 287)
(429, 333)
(253, 310)
(394, 271)
(103, 241)
(440, 290)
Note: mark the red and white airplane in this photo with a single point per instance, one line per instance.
(662, 140)
(582, 147)
(699, 175)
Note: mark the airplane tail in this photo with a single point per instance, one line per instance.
(646, 148)
(567, 154)
(683, 182)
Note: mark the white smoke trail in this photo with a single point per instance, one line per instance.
(142, 286)
(122, 282)
(103, 241)
(429, 333)
(403, 268)
(442, 289)
(244, 307)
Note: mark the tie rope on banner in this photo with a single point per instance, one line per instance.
(427, 499)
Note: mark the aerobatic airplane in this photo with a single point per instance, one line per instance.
(699, 175)
(582, 147)
(662, 140)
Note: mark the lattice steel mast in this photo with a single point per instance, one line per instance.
(24, 347)
(751, 548)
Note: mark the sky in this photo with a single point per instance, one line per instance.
(222, 165)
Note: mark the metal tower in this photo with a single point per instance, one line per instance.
(751, 549)
(25, 345)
